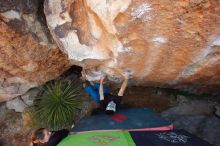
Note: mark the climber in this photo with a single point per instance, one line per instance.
(108, 102)
(43, 137)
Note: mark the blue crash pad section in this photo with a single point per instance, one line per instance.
(125, 119)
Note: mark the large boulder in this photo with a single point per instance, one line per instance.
(159, 43)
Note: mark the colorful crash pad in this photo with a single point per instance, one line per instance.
(115, 138)
(125, 119)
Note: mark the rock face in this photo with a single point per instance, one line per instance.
(12, 129)
(27, 56)
(159, 43)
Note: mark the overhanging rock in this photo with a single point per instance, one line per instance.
(159, 43)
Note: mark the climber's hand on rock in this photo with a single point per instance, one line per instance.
(126, 75)
(83, 73)
(102, 79)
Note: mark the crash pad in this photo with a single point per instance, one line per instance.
(125, 119)
(115, 138)
(167, 138)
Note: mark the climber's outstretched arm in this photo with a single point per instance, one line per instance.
(123, 86)
(101, 94)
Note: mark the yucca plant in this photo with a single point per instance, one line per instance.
(58, 104)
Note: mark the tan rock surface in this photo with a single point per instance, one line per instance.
(159, 42)
(24, 63)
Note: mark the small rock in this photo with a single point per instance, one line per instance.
(30, 95)
(19, 104)
(16, 104)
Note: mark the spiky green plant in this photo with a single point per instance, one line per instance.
(57, 106)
